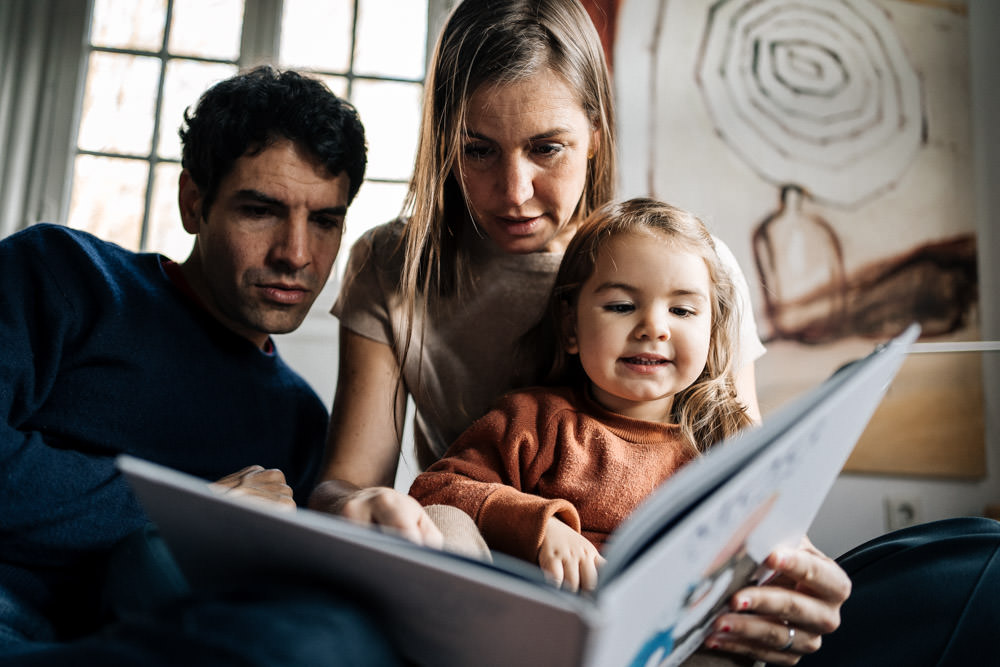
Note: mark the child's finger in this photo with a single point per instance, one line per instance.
(571, 576)
(553, 571)
(588, 573)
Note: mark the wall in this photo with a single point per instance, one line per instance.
(854, 511)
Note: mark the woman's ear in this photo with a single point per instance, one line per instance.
(189, 201)
(595, 141)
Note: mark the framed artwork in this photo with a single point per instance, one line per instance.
(828, 143)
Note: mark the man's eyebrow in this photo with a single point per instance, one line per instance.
(260, 197)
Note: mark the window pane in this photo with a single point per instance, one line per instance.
(166, 234)
(390, 112)
(376, 203)
(392, 37)
(129, 24)
(338, 84)
(118, 104)
(185, 81)
(108, 198)
(316, 34)
(207, 28)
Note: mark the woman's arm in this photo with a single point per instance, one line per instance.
(746, 391)
(363, 444)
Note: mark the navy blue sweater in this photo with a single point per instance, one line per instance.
(100, 354)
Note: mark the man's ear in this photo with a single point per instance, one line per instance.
(189, 201)
(567, 320)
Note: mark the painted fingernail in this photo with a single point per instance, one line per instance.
(725, 627)
(742, 603)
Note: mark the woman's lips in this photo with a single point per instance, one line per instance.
(520, 226)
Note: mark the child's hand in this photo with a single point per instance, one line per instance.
(568, 558)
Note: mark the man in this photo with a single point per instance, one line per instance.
(106, 351)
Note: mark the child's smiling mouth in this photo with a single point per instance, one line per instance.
(646, 360)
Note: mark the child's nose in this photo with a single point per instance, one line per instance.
(655, 326)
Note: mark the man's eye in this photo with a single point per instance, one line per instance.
(330, 223)
(253, 211)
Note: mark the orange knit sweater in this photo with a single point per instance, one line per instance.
(545, 452)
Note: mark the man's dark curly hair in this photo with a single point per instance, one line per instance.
(246, 113)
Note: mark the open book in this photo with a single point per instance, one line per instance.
(671, 566)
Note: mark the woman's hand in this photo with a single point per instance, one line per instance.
(786, 618)
(258, 483)
(383, 506)
(568, 558)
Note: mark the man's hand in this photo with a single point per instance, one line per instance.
(384, 506)
(567, 558)
(258, 483)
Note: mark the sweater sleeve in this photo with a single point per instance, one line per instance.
(51, 491)
(490, 473)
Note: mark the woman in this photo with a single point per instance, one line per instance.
(517, 146)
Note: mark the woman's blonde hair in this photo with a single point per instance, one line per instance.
(494, 42)
(490, 42)
(708, 410)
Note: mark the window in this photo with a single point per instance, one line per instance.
(148, 60)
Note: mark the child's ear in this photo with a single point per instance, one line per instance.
(567, 320)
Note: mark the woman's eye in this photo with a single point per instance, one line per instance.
(476, 151)
(549, 149)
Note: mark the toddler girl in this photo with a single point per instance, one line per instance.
(644, 322)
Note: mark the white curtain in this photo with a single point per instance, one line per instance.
(41, 66)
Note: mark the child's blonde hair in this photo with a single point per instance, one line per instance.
(708, 410)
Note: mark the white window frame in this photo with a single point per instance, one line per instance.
(43, 63)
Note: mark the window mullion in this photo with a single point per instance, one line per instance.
(261, 32)
(157, 113)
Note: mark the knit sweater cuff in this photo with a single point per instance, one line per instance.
(514, 522)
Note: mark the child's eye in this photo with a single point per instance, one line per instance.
(681, 311)
(619, 307)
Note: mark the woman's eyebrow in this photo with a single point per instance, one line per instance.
(470, 134)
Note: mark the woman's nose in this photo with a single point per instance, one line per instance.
(516, 180)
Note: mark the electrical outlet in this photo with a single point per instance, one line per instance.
(902, 511)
